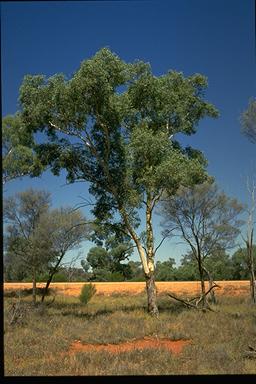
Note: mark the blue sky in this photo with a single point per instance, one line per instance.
(214, 37)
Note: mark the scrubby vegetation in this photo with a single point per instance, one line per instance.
(38, 342)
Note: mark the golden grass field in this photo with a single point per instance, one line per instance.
(233, 287)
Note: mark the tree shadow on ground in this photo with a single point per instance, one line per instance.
(164, 308)
(28, 292)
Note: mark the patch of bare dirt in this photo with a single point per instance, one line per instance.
(174, 346)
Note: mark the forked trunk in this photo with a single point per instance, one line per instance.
(151, 293)
(149, 273)
(146, 261)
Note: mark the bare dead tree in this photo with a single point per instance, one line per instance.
(206, 219)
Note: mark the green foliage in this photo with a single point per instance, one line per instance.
(18, 156)
(87, 292)
(59, 277)
(219, 264)
(188, 270)
(165, 270)
(120, 140)
(106, 262)
(27, 246)
(112, 124)
(240, 263)
(97, 257)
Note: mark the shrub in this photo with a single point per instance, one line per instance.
(87, 292)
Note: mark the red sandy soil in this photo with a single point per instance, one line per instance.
(145, 343)
(231, 288)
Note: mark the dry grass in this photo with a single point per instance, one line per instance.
(35, 345)
(233, 287)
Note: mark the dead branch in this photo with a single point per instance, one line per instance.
(186, 302)
(17, 312)
(207, 292)
(199, 299)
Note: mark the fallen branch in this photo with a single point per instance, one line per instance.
(206, 293)
(199, 299)
(186, 302)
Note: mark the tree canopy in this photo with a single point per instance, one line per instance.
(113, 124)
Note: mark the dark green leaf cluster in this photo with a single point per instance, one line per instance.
(18, 156)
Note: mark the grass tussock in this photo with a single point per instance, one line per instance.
(39, 344)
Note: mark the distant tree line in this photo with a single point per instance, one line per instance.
(225, 267)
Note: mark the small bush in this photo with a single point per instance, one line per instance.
(87, 292)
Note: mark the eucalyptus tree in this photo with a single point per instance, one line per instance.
(206, 219)
(112, 124)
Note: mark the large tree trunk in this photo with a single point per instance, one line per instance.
(149, 272)
(147, 264)
(151, 293)
(150, 278)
